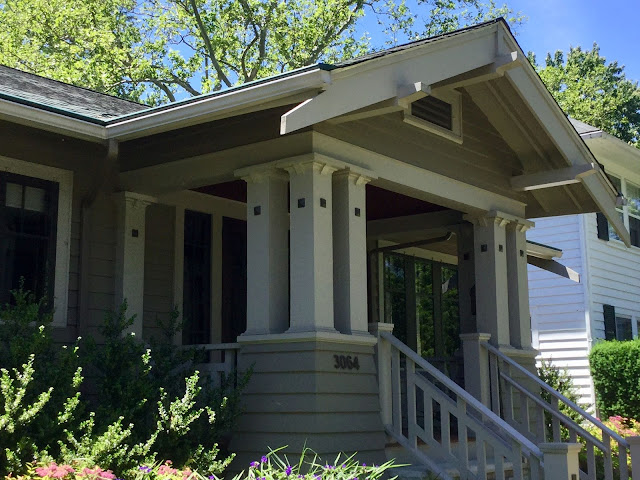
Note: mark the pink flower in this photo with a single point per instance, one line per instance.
(97, 473)
(54, 471)
(166, 470)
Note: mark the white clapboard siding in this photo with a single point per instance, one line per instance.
(568, 349)
(557, 303)
(614, 278)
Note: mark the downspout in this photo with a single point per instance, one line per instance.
(100, 177)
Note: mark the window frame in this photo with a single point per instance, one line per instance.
(624, 210)
(64, 179)
(452, 97)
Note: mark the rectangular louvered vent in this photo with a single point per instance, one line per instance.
(433, 110)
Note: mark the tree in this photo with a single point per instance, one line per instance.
(160, 50)
(593, 91)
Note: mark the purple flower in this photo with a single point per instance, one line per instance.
(287, 470)
(144, 468)
(364, 464)
(263, 459)
(254, 464)
(329, 467)
(211, 477)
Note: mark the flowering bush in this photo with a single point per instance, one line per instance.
(624, 427)
(310, 467)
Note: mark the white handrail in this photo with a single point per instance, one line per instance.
(466, 396)
(555, 393)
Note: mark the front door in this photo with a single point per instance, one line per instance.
(421, 300)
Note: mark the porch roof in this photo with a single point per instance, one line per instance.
(371, 85)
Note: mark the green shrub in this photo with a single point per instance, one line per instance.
(149, 402)
(560, 380)
(615, 368)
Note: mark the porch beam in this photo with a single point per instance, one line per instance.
(482, 74)
(375, 110)
(553, 178)
(347, 92)
(419, 223)
(415, 181)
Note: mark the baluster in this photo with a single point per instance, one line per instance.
(396, 389)
(622, 458)
(516, 460)
(507, 396)
(411, 403)
(445, 427)
(608, 463)
(481, 454)
(524, 413)
(591, 461)
(498, 461)
(428, 414)
(555, 423)
(534, 468)
(463, 437)
(541, 427)
(573, 436)
(495, 384)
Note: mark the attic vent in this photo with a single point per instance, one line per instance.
(434, 110)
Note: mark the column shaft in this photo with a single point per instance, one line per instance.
(129, 267)
(267, 253)
(350, 252)
(519, 317)
(311, 250)
(492, 303)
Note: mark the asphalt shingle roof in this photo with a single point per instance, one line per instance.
(80, 101)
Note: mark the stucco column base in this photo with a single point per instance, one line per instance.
(300, 394)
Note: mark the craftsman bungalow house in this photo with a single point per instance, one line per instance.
(298, 218)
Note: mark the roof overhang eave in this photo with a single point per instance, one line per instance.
(226, 104)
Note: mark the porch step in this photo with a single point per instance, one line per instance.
(417, 472)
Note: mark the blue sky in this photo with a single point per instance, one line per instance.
(557, 24)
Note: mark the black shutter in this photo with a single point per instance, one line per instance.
(603, 226)
(634, 230)
(609, 322)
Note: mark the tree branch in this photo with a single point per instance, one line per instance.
(207, 42)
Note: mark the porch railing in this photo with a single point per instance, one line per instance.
(221, 361)
(464, 438)
(516, 397)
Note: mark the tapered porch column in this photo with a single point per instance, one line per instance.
(311, 247)
(350, 252)
(519, 316)
(491, 289)
(267, 252)
(129, 267)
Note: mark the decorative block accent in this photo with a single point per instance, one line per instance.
(323, 202)
(257, 210)
(357, 212)
(301, 203)
(135, 233)
(483, 247)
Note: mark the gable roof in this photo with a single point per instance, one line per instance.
(41, 92)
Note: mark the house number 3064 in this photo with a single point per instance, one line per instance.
(346, 362)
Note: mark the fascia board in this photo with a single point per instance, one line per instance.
(51, 121)
(412, 52)
(220, 106)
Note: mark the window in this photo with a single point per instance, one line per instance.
(630, 214)
(439, 113)
(616, 327)
(35, 226)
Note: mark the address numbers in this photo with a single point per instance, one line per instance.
(346, 362)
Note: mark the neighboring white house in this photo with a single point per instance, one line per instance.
(567, 318)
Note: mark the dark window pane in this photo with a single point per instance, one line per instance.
(28, 217)
(197, 278)
(424, 306)
(450, 311)
(623, 329)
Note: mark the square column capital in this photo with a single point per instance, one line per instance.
(134, 200)
(319, 167)
(501, 219)
(352, 177)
